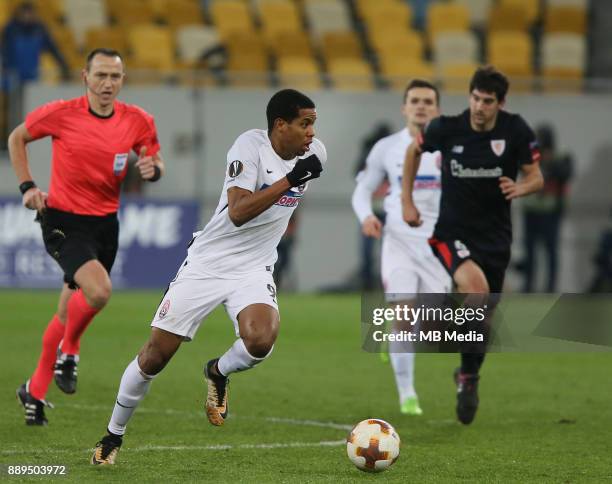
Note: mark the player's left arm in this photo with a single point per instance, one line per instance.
(151, 168)
(150, 163)
(528, 154)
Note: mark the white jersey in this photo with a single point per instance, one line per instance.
(223, 250)
(387, 158)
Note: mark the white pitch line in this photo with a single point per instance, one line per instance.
(170, 411)
(147, 448)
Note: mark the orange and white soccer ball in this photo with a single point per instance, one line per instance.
(373, 445)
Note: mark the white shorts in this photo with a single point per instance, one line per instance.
(409, 266)
(192, 296)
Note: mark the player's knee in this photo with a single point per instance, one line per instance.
(260, 337)
(152, 359)
(99, 295)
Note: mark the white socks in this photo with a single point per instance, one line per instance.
(402, 360)
(132, 389)
(237, 358)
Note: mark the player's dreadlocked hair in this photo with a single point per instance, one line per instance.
(286, 104)
(489, 79)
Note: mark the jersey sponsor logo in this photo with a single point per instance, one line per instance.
(235, 168)
(119, 163)
(291, 198)
(498, 146)
(426, 182)
(164, 309)
(457, 149)
(459, 171)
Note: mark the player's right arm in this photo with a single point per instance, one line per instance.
(430, 140)
(412, 161)
(368, 180)
(33, 198)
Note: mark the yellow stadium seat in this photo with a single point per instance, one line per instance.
(397, 16)
(183, 12)
(152, 48)
(508, 18)
(350, 74)
(341, 45)
(66, 43)
(51, 11)
(299, 72)
(512, 53)
(241, 44)
(249, 70)
(364, 7)
(230, 16)
(447, 17)
(399, 71)
(456, 77)
(108, 37)
(410, 45)
(565, 19)
(279, 16)
(50, 73)
(130, 12)
(531, 8)
(291, 44)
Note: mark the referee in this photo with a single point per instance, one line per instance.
(92, 136)
(483, 149)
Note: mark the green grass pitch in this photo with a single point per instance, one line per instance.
(543, 417)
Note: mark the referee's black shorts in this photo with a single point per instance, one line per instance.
(492, 261)
(72, 240)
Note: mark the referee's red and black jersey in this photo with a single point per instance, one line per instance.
(90, 152)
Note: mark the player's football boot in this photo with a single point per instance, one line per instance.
(216, 399)
(467, 396)
(106, 450)
(65, 371)
(34, 409)
(411, 406)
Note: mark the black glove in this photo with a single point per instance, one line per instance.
(305, 169)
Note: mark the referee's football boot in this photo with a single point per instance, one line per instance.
(65, 372)
(106, 450)
(467, 396)
(216, 399)
(34, 409)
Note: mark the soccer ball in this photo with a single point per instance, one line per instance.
(373, 445)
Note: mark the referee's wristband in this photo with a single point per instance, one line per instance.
(26, 185)
(157, 175)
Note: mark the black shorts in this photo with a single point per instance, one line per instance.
(72, 240)
(452, 253)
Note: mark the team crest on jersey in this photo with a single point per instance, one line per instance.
(164, 309)
(235, 168)
(498, 146)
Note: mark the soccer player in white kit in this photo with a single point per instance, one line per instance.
(230, 262)
(408, 266)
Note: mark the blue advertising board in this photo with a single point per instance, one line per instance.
(153, 241)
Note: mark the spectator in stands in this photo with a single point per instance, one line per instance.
(543, 212)
(24, 38)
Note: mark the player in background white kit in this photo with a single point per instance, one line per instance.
(230, 262)
(408, 266)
